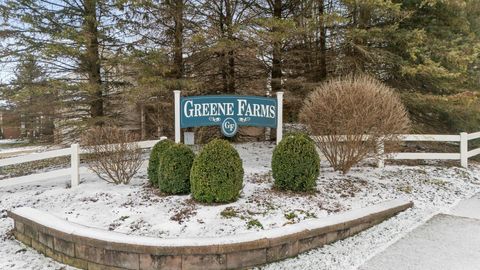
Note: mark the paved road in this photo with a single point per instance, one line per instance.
(445, 242)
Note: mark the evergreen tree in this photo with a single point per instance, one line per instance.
(440, 46)
(223, 56)
(74, 40)
(32, 98)
(99, 53)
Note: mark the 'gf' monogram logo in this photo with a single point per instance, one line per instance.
(229, 127)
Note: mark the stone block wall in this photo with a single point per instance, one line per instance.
(72, 244)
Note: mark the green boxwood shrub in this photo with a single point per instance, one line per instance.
(154, 160)
(174, 169)
(295, 163)
(217, 173)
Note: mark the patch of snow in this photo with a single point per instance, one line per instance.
(62, 225)
(136, 209)
(9, 141)
(21, 150)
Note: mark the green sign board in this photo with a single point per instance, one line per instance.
(228, 112)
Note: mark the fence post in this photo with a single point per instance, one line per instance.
(75, 164)
(464, 149)
(176, 96)
(380, 154)
(279, 116)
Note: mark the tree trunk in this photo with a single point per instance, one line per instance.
(231, 52)
(276, 82)
(223, 58)
(178, 40)
(322, 61)
(359, 20)
(363, 18)
(92, 60)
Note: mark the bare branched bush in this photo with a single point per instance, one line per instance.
(113, 154)
(349, 117)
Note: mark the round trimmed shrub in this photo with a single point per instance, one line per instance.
(217, 173)
(154, 161)
(295, 163)
(174, 169)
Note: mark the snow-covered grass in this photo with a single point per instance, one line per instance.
(9, 145)
(8, 141)
(140, 210)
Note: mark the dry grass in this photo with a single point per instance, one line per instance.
(342, 111)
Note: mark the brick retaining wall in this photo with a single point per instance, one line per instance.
(90, 248)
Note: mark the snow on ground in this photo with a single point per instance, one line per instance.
(140, 210)
(8, 141)
(22, 150)
(11, 148)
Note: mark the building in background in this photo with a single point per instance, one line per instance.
(10, 125)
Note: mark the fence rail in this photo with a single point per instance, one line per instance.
(463, 155)
(429, 138)
(439, 156)
(473, 136)
(75, 150)
(35, 157)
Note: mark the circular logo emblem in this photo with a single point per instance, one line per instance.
(229, 127)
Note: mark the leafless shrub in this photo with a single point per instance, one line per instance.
(349, 117)
(113, 154)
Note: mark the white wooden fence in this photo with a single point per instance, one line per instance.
(463, 155)
(74, 152)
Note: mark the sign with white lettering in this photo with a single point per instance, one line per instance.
(229, 112)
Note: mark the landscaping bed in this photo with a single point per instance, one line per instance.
(139, 209)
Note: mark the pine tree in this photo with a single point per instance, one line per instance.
(223, 56)
(440, 46)
(73, 39)
(33, 99)
(99, 53)
(275, 28)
